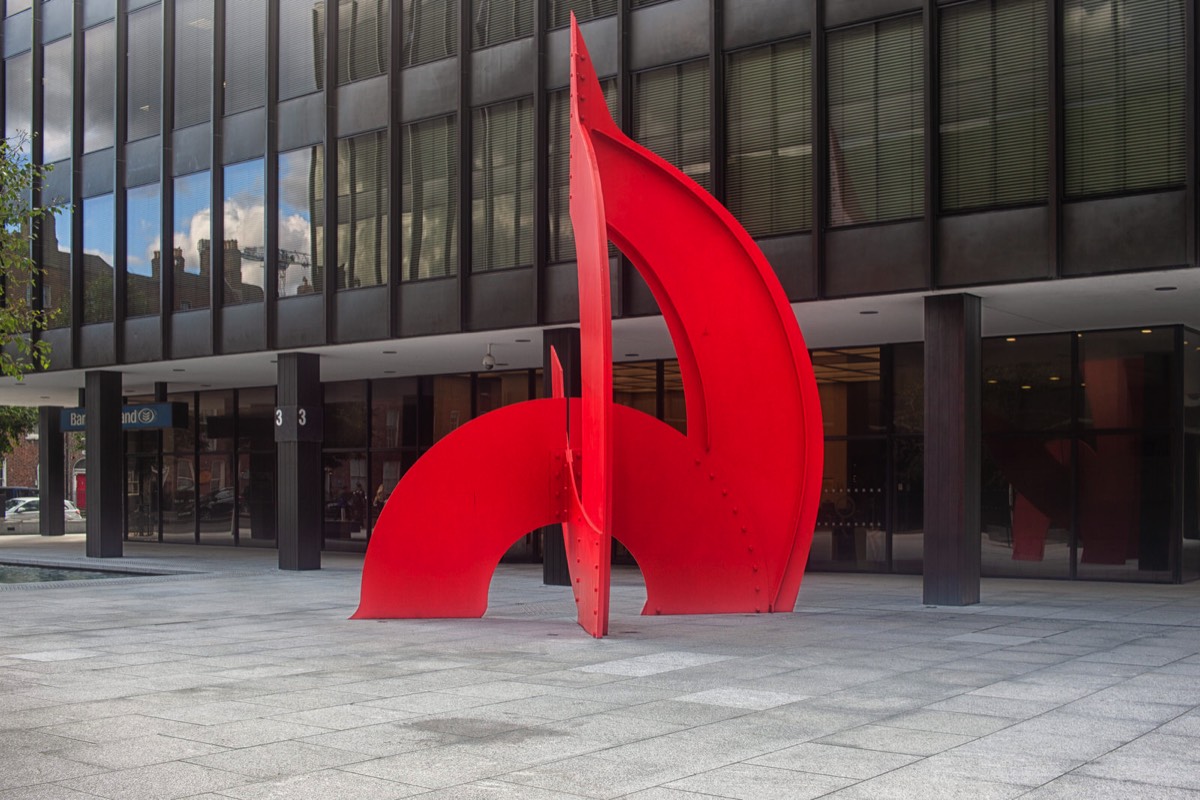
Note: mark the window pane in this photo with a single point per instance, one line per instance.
(215, 507)
(18, 100)
(1126, 378)
(193, 61)
(769, 138)
(301, 221)
(302, 47)
(143, 230)
(362, 210)
(1027, 384)
(502, 186)
(245, 55)
(56, 265)
(671, 116)
(876, 122)
(256, 498)
(346, 414)
(144, 60)
(495, 390)
(256, 419)
(1124, 85)
(346, 498)
(362, 39)
(993, 104)
(16, 6)
(635, 384)
(1025, 506)
(99, 87)
(244, 253)
(394, 403)
(430, 30)
(562, 235)
(193, 240)
(850, 390)
(851, 520)
(429, 220)
(495, 21)
(99, 242)
(57, 98)
(560, 10)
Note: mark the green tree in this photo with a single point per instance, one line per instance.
(20, 316)
(15, 422)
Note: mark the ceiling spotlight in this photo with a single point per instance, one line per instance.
(868, 313)
(1147, 330)
(633, 355)
(1011, 339)
(179, 369)
(389, 352)
(1165, 288)
(522, 341)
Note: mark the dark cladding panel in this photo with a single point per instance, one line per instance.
(995, 247)
(363, 106)
(243, 329)
(191, 334)
(143, 340)
(560, 283)
(59, 339)
(301, 121)
(428, 307)
(748, 22)
(105, 468)
(791, 258)
(97, 347)
(244, 136)
(846, 12)
(503, 72)
(1145, 231)
(300, 321)
(99, 173)
(601, 37)
(875, 259)
(143, 162)
(429, 90)
(503, 299)
(362, 315)
(192, 149)
(669, 32)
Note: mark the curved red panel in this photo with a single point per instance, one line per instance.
(752, 402)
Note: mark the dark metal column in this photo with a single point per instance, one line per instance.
(105, 465)
(52, 464)
(565, 342)
(952, 449)
(299, 497)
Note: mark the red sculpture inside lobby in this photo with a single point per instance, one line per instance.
(719, 520)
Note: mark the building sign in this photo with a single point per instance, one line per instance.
(151, 416)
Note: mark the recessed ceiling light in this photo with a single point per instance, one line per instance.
(389, 352)
(206, 386)
(633, 355)
(868, 313)
(993, 381)
(179, 369)
(389, 372)
(1027, 386)
(1011, 339)
(501, 363)
(274, 361)
(1165, 288)
(522, 341)
(1147, 330)
(45, 397)
(1055, 378)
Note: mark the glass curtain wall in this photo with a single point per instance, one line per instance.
(193, 241)
(179, 485)
(216, 503)
(256, 467)
(1191, 456)
(99, 243)
(430, 30)
(502, 186)
(143, 256)
(558, 185)
(362, 210)
(672, 116)
(193, 61)
(429, 199)
(245, 255)
(363, 30)
(245, 56)
(144, 62)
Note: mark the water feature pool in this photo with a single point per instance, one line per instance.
(28, 573)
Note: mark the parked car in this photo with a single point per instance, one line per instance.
(9, 492)
(25, 509)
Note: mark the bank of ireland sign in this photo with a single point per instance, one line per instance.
(152, 416)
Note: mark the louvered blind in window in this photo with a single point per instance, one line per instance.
(560, 10)
(502, 186)
(245, 56)
(1124, 88)
(301, 47)
(671, 114)
(143, 58)
(362, 210)
(876, 122)
(994, 112)
(496, 21)
(429, 214)
(562, 236)
(193, 61)
(430, 30)
(362, 39)
(769, 137)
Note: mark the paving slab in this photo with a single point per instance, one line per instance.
(237, 680)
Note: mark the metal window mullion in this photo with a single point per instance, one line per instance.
(1055, 135)
(540, 184)
(121, 124)
(395, 174)
(932, 174)
(819, 132)
(465, 154)
(331, 169)
(75, 276)
(716, 99)
(36, 151)
(624, 120)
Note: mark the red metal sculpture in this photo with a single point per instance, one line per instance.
(719, 520)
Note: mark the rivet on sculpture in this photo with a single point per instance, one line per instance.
(719, 520)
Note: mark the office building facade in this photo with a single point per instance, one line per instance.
(382, 184)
